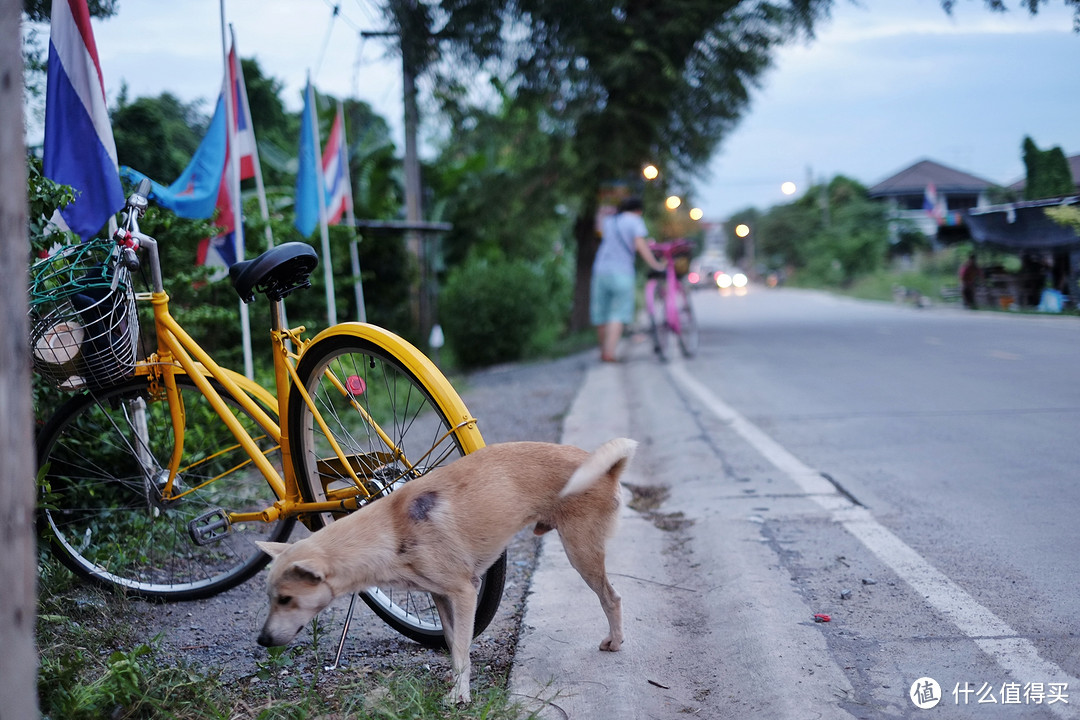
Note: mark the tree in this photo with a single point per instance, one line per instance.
(1048, 173)
(18, 562)
(499, 183)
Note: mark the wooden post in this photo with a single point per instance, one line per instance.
(18, 565)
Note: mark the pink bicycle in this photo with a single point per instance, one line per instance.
(667, 301)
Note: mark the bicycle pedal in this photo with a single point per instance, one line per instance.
(211, 527)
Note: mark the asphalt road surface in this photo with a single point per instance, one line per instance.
(910, 473)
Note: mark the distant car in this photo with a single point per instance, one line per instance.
(725, 281)
(703, 273)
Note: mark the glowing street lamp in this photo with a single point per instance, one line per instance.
(673, 202)
(788, 188)
(696, 213)
(650, 172)
(742, 230)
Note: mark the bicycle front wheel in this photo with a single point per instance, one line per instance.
(394, 417)
(658, 324)
(688, 328)
(104, 504)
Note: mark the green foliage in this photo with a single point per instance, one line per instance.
(1048, 173)
(157, 136)
(500, 311)
(1067, 215)
(499, 180)
(43, 197)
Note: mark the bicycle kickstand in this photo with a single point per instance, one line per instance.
(344, 632)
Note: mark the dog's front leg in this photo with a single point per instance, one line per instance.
(459, 607)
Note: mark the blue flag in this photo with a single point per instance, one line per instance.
(79, 147)
(194, 194)
(307, 192)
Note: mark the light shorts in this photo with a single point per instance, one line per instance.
(612, 298)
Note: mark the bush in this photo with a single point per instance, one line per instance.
(501, 311)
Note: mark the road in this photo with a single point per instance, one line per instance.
(910, 472)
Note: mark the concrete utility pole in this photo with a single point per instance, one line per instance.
(18, 562)
(414, 213)
(419, 302)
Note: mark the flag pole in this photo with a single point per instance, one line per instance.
(350, 218)
(264, 208)
(320, 194)
(234, 177)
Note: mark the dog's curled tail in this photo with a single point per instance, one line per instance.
(614, 455)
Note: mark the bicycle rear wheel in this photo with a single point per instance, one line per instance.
(363, 384)
(688, 328)
(102, 509)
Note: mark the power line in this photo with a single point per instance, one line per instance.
(326, 39)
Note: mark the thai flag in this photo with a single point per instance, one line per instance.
(220, 250)
(243, 131)
(335, 164)
(930, 201)
(79, 147)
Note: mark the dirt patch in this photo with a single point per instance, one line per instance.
(647, 498)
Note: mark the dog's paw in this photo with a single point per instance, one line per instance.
(456, 697)
(610, 644)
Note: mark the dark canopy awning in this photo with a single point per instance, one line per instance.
(1022, 226)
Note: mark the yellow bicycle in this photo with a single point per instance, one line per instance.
(160, 473)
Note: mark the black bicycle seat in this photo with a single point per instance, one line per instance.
(276, 273)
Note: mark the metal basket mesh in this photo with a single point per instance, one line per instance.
(84, 330)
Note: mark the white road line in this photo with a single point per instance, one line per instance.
(1016, 655)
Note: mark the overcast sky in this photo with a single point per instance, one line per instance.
(885, 83)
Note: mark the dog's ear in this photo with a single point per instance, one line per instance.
(273, 549)
(305, 571)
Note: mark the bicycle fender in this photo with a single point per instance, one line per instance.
(418, 364)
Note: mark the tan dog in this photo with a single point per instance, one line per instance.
(441, 532)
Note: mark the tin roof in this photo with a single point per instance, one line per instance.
(913, 180)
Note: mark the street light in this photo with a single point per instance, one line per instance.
(696, 213)
(673, 202)
(788, 188)
(742, 230)
(650, 172)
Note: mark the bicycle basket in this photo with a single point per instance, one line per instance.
(682, 262)
(83, 326)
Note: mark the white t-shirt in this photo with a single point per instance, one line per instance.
(616, 253)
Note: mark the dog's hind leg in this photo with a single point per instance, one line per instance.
(585, 551)
(457, 611)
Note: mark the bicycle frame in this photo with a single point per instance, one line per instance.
(671, 285)
(178, 353)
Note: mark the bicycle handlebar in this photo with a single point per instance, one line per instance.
(128, 236)
(670, 247)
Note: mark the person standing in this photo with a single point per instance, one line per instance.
(969, 275)
(611, 301)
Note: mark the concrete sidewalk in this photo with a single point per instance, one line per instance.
(714, 626)
(558, 669)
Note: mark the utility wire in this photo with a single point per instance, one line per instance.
(326, 39)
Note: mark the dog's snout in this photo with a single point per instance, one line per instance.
(265, 639)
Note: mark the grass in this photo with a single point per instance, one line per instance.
(95, 664)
